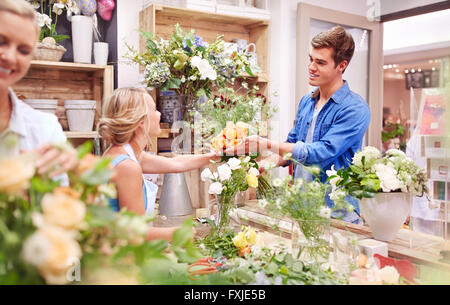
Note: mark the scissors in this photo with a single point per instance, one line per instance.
(207, 265)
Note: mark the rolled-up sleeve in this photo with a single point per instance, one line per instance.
(300, 152)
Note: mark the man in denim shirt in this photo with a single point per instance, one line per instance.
(331, 121)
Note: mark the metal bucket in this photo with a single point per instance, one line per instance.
(175, 199)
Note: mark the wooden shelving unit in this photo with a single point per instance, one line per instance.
(68, 81)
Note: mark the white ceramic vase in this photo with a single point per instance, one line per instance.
(82, 31)
(385, 213)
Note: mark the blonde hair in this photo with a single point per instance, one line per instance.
(21, 8)
(122, 113)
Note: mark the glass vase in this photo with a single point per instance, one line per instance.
(311, 240)
(224, 205)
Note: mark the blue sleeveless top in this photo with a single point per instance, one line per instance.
(114, 202)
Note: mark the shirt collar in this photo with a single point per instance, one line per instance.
(16, 123)
(338, 96)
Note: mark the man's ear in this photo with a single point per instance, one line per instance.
(342, 66)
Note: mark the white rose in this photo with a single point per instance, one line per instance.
(246, 159)
(224, 172)
(389, 275)
(234, 163)
(253, 171)
(388, 177)
(206, 175)
(396, 152)
(215, 188)
(195, 61)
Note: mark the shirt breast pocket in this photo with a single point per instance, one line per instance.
(324, 129)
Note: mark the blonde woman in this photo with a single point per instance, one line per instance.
(128, 120)
(34, 129)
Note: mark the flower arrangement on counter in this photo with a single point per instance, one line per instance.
(47, 15)
(304, 203)
(187, 64)
(371, 173)
(237, 174)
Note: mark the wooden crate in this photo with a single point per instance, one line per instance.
(68, 81)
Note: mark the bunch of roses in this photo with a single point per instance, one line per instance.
(231, 136)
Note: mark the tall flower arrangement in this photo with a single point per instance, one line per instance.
(187, 64)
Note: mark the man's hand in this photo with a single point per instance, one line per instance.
(55, 160)
(248, 146)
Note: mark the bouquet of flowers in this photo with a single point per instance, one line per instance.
(370, 173)
(187, 64)
(244, 105)
(47, 15)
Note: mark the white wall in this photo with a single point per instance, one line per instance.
(127, 30)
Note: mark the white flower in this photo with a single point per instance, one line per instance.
(183, 79)
(334, 181)
(234, 163)
(246, 160)
(338, 195)
(370, 153)
(206, 175)
(224, 172)
(389, 275)
(325, 212)
(215, 188)
(58, 8)
(277, 182)
(43, 19)
(396, 152)
(253, 171)
(35, 4)
(205, 69)
(388, 177)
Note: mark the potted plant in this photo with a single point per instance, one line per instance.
(384, 186)
(47, 13)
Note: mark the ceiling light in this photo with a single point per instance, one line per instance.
(406, 71)
(433, 68)
(419, 70)
(413, 71)
(397, 70)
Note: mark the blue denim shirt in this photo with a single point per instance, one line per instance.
(338, 134)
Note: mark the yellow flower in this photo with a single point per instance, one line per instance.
(240, 241)
(218, 143)
(252, 180)
(251, 236)
(16, 172)
(53, 251)
(62, 210)
(230, 133)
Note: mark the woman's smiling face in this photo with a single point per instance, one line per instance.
(18, 37)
